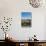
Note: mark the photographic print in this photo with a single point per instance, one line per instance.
(26, 19)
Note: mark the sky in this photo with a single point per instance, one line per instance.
(27, 15)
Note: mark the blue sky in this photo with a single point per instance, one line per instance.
(26, 15)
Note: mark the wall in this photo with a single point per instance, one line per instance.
(13, 8)
(45, 28)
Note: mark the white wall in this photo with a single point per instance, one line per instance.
(45, 28)
(13, 8)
